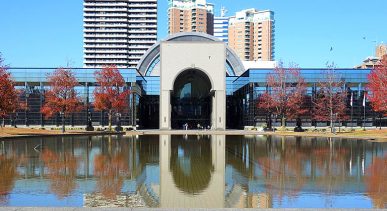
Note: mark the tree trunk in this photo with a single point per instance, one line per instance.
(269, 124)
(283, 121)
(63, 123)
(110, 120)
(331, 121)
(380, 122)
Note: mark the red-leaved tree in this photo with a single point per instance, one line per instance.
(285, 95)
(330, 103)
(378, 87)
(61, 97)
(8, 94)
(110, 94)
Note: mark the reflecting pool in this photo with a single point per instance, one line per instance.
(214, 171)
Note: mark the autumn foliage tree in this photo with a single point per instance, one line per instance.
(110, 94)
(8, 94)
(285, 94)
(330, 103)
(61, 97)
(378, 87)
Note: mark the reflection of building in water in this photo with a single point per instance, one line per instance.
(263, 200)
(122, 200)
(255, 200)
(185, 181)
(239, 198)
(201, 171)
(272, 168)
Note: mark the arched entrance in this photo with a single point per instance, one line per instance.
(191, 100)
(192, 84)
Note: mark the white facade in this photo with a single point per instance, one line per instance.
(175, 59)
(189, 4)
(118, 32)
(221, 28)
(252, 15)
(259, 64)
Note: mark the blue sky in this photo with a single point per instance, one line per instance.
(47, 33)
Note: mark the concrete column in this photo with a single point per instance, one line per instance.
(213, 112)
(165, 110)
(218, 115)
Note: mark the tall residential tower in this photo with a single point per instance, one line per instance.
(190, 16)
(251, 35)
(221, 26)
(118, 32)
(381, 50)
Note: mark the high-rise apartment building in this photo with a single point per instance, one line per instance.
(372, 61)
(190, 16)
(221, 26)
(251, 35)
(381, 50)
(118, 32)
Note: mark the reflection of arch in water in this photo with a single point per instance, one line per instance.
(191, 160)
(172, 195)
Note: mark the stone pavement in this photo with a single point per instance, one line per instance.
(253, 132)
(165, 209)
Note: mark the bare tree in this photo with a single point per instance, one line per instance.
(330, 102)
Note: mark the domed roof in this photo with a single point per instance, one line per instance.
(149, 63)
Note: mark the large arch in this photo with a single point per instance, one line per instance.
(149, 64)
(191, 99)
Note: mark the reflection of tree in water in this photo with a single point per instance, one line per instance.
(8, 176)
(331, 164)
(62, 169)
(111, 170)
(284, 170)
(288, 164)
(191, 163)
(376, 182)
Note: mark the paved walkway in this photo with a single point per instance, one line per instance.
(370, 137)
(197, 132)
(165, 209)
(71, 133)
(252, 132)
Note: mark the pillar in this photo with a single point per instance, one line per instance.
(218, 115)
(165, 109)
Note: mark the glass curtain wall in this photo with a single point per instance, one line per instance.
(32, 83)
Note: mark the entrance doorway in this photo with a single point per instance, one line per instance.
(191, 100)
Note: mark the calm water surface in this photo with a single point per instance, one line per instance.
(193, 171)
